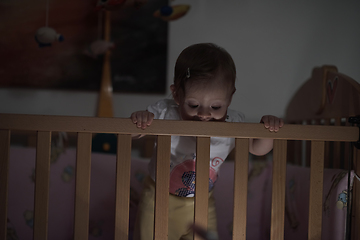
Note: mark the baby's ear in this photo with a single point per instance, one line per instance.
(231, 96)
(174, 93)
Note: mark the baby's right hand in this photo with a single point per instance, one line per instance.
(142, 119)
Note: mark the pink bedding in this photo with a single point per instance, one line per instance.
(297, 203)
(102, 198)
(62, 191)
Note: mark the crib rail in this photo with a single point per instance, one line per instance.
(85, 126)
(166, 127)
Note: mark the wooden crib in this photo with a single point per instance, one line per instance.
(318, 136)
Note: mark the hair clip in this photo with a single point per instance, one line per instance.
(188, 73)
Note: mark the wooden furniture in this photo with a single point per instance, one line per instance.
(317, 135)
(328, 98)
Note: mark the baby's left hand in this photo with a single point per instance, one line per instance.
(272, 123)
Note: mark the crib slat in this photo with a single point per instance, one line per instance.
(202, 182)
(346, 154)
(162, 176)
(4, 179)
(42, 174)
(278, 190)
(327, 149)
(355, 221)
(308, 148)
(295, 151)
(240, 187)
(337, 156)
(316, 189)
(82, 192)
(123, 166)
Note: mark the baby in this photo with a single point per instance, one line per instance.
(204, 84)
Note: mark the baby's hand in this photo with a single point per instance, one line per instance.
(142, 119)
(272, 123)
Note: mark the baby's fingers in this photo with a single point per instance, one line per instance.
(278, 123)
(272, 123)
(136, 117)
(142, 119)
(266, 121)
(133, 117)
(148, 117)
(281, 122)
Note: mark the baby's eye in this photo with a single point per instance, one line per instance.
(215, 107)
(193, 106)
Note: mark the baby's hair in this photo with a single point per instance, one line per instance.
(203, 61)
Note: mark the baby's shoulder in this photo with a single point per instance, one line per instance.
(163, 104)
(234, 116)
(164, 109)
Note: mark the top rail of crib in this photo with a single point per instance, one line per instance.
(27, 122)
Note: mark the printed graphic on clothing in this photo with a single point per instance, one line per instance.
(182, 179)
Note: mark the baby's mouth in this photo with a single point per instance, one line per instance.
(204, 120)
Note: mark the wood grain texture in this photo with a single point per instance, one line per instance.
(278, 190)
(82, 187)
(162, 177)
(347, 152)
(316, 189)
(202, 183)
(328, 150)
(122, 200)
(4, 179)
(336, 151)
(171, 127)
(240, 187)
(42, 180)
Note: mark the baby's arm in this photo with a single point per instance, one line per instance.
(261, 147)
(142, 119)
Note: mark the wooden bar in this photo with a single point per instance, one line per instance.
(170, 127)
(278, 190)
(4, 179)
(316, 189)
(166, 128)
(202, 183)
(347, 150)
(327, 148)
(82, 189)
(355, 215)
(122, 200)
(308, 153)
(42, 179)
(241, 172)
(298, 154)
(336, 155)
(162, 178)
(308, 149)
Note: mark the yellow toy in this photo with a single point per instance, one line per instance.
(171, 13)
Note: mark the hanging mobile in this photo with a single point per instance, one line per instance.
(99, 46)
(46, 35)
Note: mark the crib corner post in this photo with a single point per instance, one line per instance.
(4, 179)
(356, 121)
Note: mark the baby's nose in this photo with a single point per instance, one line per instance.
(204, 114)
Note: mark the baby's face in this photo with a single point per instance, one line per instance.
(205, 101)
